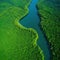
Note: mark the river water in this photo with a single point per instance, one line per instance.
(32, 21)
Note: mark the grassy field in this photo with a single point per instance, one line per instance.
(16, 41)
(49, 11)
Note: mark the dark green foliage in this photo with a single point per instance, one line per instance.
(49, 11)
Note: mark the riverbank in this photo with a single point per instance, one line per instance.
(49, 13)
(31, 21)
(16, 41)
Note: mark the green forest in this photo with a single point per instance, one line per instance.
(16, 41)
(49, 11)
(20, 43)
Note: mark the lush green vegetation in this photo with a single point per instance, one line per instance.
(49, 11)
(16, 41)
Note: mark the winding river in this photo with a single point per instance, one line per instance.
(31, 21)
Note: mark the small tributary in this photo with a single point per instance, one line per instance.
(32, 21)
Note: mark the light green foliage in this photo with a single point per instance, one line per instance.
(16, 41)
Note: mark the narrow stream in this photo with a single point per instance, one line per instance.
(31, 21)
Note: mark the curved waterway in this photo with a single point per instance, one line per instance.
(31, 21)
